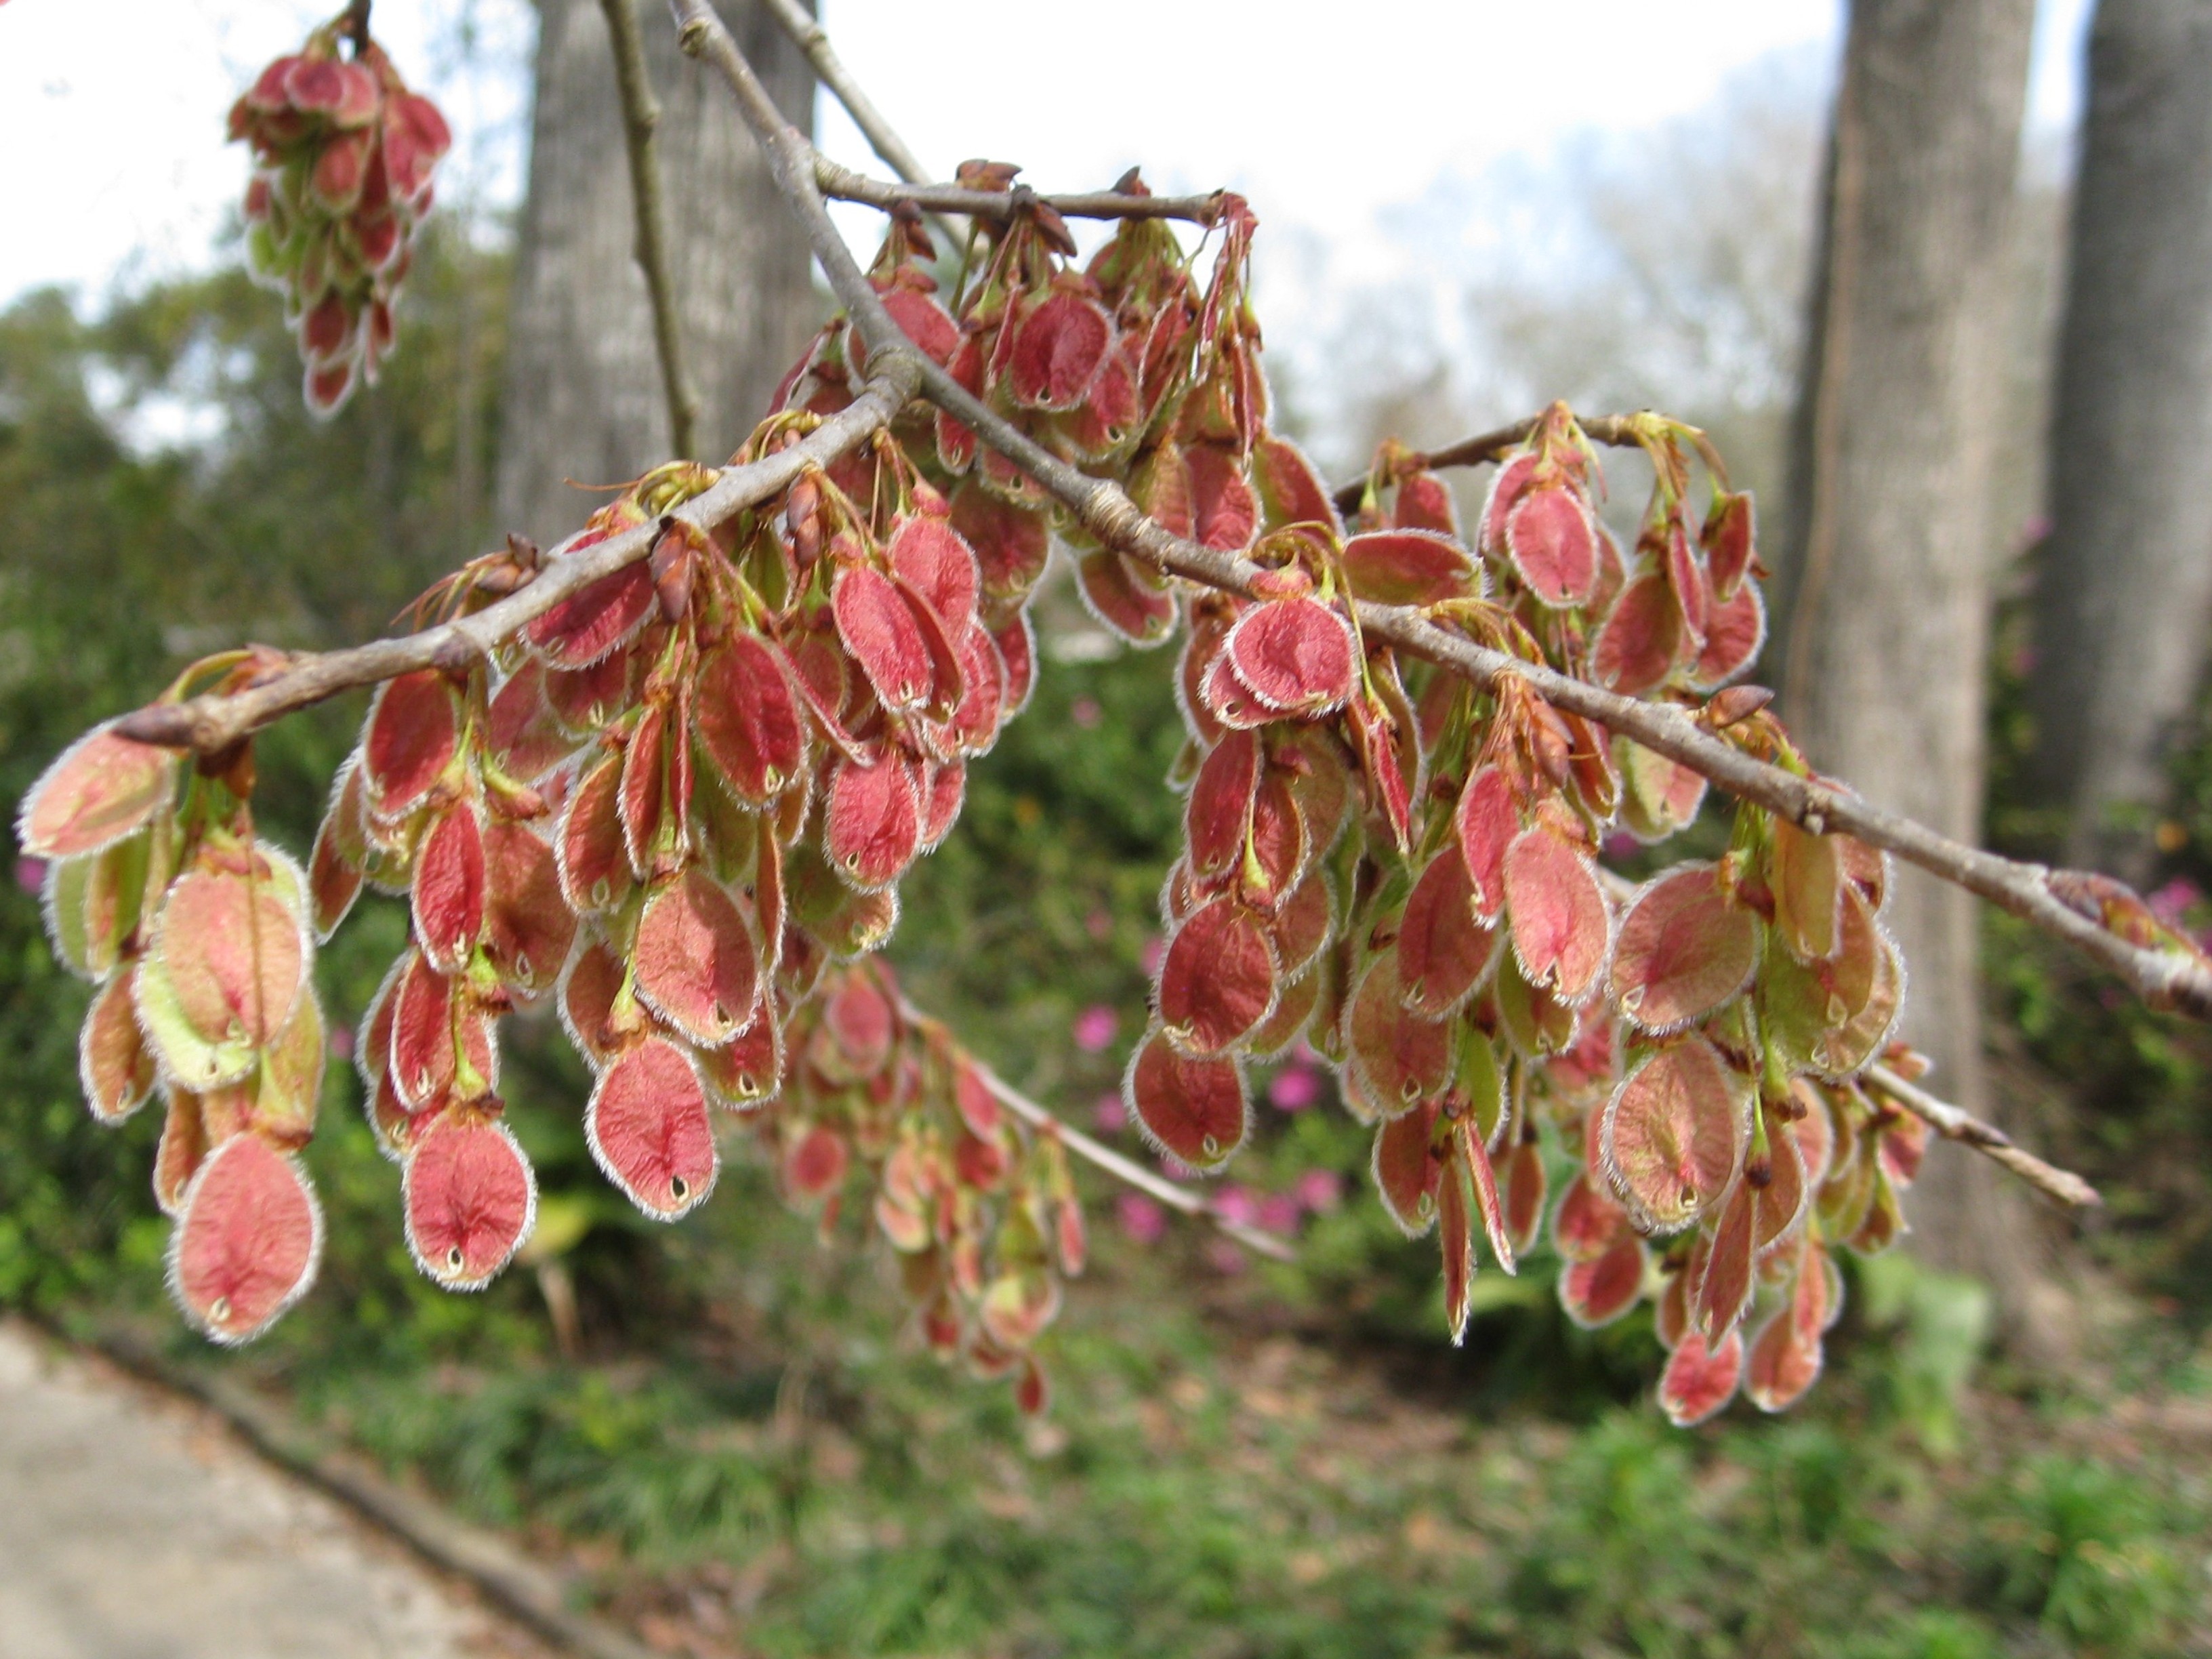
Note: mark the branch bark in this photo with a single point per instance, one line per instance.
(2162, 978)
(208, 725)
(811, 40)
(641, 118)
(1963, 1127)
(841, 183)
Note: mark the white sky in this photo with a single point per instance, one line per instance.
(112, 168)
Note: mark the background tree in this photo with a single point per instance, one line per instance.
(583, 395)
(2125, 590)
(1884, 598)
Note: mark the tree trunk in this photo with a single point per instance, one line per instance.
(1886, 611)
(583, 399)
(2125, 590)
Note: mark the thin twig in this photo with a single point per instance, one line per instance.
(2166, 979)
(1184, 1200)
(1494, 445)
(356, 24)
(640, 118)
(809, 36)
(840, 182)
(208, 725)
(1968, 1130)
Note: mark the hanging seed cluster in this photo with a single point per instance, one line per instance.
(677, 805)
(343, 155)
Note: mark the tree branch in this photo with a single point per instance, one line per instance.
(356, 25)
(640, 117)
(840, 182)
(1968, 1130)
(1185, 1201)
(208, 725)
(809, 36)
(1491, 446)
(2164, 978)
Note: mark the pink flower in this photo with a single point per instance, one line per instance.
(1156, 950)
(1295, 1088)
(1084, 712)
(1319, 1189)
(1620, 844)
(1095, 1028)
(1236, 1203)
(1109, 1116)
(1141, 1218)
(340, 1041)
(31, 874)
(2170, 902)
(1099, 924)
(1223, 1256)
(1278, 1214)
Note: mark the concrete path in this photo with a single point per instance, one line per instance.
(134, 1526)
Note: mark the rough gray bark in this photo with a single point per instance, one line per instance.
(1885, 612)
(2124, 594)
(583, 399)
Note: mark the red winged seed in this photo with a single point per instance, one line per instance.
(1160, 485)
(1674, 1135)
(113, 1062)
(861, 1026)
(184, 1146)
(935, 560)
(585, 627)
(1225, 700)
(1011, 543)
(1700, 1379)
(1276, 859)
(1659, 797)
(1686, 577)
(408, 742)
(1294, 1011)
(1401, 1057)
(946, 686)
(521, 728)
(1560, 925)
(1598, 1291)
(749, 1069)
(528, 927)
(1523, 1186)
(1290, 490)
(1407, 1169)
(1806, 874)
(1685, 948)
(872, 828)
(1587, 1223)
(1016, 644)
(471, 1200)
(1475, 1156)
(694, 960)
(1487, 820)
(748, 720)
(1642, 640)
(449, 889)
(1506, 490)
(922, 320)
(1301, 925)
(427, 1018)
(814, 1163)
(648, 1127)
(1455, 1238)
(1058, 349)
(975, 723)
(1225, 513)
(1733, 634)
(593, 863)
(248, 1236)
(583, 699)
(1444, 951)
(879, 630)
(1218, 816)
(1409, 567)
(1192, 1108)
(1295, 655)
(1425, 502)
(944, 787)
(232, 960)
(101, 788)
(335, 865)
(1727, 536)
(1785, 1356)
(1127, 597)
(1723, 1290)
(1553, 546)
(587, 991)
(640, 802)
(1218, 980)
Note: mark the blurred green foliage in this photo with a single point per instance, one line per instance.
(750, 1455)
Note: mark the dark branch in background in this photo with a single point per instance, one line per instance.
(640, 117)
(840, 182)
(208, 725)
(2165, 979)
(355, 24)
